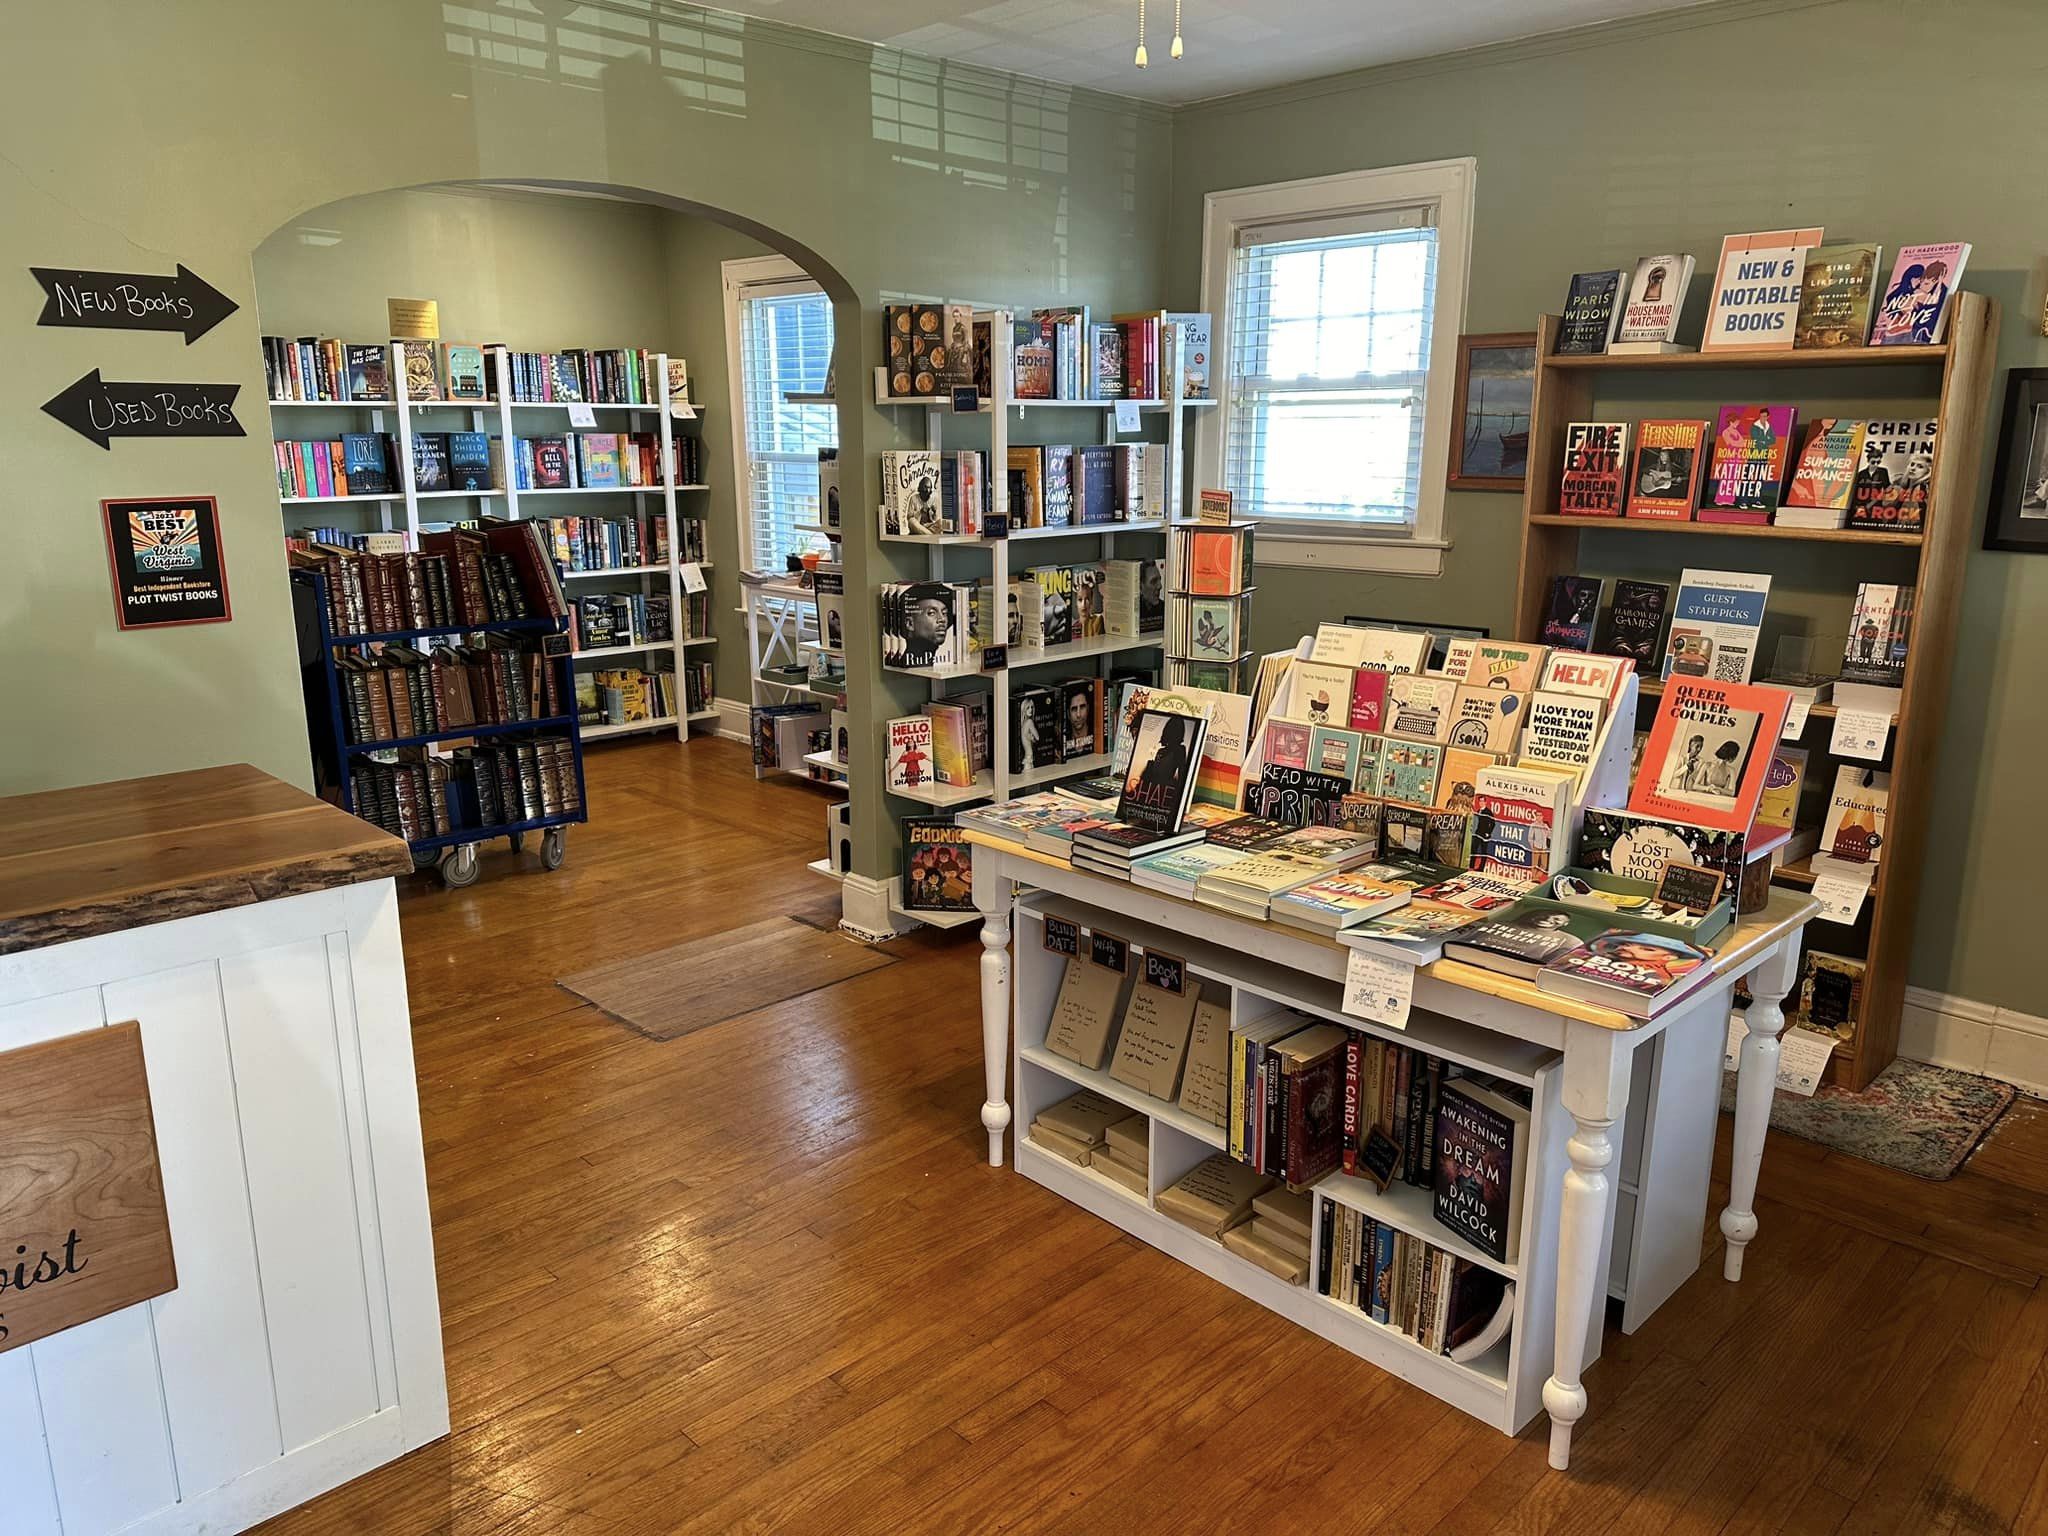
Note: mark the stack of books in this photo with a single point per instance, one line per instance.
(1277, 1237)
(1213, 1196)
(1077, 1128)
(1126, 1155)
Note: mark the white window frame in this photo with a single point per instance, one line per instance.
(1447, 187)
(741, 278)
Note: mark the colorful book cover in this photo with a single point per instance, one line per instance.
(1825, 475)
(365, 463)
(1592, 305)
(1594, 455)
(938, 874)
(910, 752)
(1890, 490)
(1635, 621)
(1568, 614)
(1664, 477)
(1752, 445)
(1639, 847)
(1517, 816)
(1656, 294)
(1835, 295)
(1756, 290)
(1626, 968)
(1880, 626)
(600, 459)
(465, 365)
(1853, 827)
(369, 373)
(1709, 753)
(1916, 300)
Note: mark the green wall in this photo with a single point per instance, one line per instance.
(141, 136)
(1891, 120)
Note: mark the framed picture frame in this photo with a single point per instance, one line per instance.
(2017, 519)
(1490, 410)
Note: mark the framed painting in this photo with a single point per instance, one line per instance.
(1490, 411)
(2018, 518)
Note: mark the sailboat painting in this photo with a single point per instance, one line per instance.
(1490, 414)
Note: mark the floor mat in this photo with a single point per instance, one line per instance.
(688, 987)
(1918, 1119)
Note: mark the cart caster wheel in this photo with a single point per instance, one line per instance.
(554, 847)
(518, 841)
(459, 867)
(422, 862)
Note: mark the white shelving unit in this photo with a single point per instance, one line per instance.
(1502, 1388)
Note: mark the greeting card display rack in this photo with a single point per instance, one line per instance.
(1955, 377)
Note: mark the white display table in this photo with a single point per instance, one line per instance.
(253, 932)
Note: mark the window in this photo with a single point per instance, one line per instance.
(1338, 303)
(779, 325)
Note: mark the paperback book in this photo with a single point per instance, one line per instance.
(1656, 295)
(937, 869)
(1752, 445)
(1917, 299)
(1594, 455)
(1836, 292)
(1635, 621)
(1623, 969)
(1159, 777)
(1708, 753)
(1824, 478)
(1664, 477)
(1592, 311)
(1480, 1162)
(1892, 479)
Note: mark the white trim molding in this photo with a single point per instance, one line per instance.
(735, 720)
(1960, 1032)
(865, 909)
(1450, 188)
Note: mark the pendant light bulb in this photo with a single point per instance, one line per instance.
(1175, 49)
(1141, 60)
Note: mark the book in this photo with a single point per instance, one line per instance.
(1084, 1012)
(1665, 474)
(1916, 301)
(1623, 969)
(464, 366)
(1640, 847)
(910, 764)
(1836, 292)
(1824, 476)
(1715, 623)
(1519, 820)
(1853, 828)
(910, 493)
(1413, 934)
(1426, 833)
(937, 869)
(469, 461)
(1213, 1196)
(1755, 302)
(1177, 871)
(1592, 311)
(1159, 775)
(1656, 295)
(1830, 994)
(1880, 631)
(1746, 468)
(1525, 938)
(1569, 611)
(1708, 753)
(1777, 809)
(1475, 891)
(1305, 1127)
(1205, 1073)
(1479, 1165)
(1635, 621)
(1194, 351)
(368, 371)
(1340, 900)
(1595, 455)
(1153, 1038)
(1084, 1117)
(366, 462)
(1890, 490)
(422, 372)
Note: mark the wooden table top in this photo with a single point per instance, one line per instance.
(1784, 912)
(105, 857)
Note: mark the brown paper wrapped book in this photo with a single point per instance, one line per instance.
(1213, 1196)
(1084, 1013)
(1154, 1039)
(1246, 1243)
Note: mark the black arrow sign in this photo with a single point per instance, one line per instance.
(132, 301)
(100, 409)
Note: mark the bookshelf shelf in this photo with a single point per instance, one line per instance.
(944, 795)
(367, 498)
(460, 733)
(1956, 378)
(625, 650)
(1730, 530)
(1088, 530)
(1159, 1110)
(1072, 768)
(495, 627)
(696, 716)
(1081, 650)
(594, 572)
(330, 405)
(506, 829)
(584, 490)
(1490, 1370)
(826, 761)
(1653, 688)
(694, 640)
(628, 727)
(1410, 1209)
(934, 919)
(824, 867)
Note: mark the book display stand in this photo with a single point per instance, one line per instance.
(1954, 378)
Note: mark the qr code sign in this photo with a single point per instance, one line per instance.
(1731, 664)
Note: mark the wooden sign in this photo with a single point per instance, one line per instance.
(131, 301)
(101, 409)
(82, 1225)
(166, 561)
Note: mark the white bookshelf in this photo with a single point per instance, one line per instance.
(1502, 1388)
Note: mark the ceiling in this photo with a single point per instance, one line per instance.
(1232, 45)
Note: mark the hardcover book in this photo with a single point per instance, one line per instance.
(366, 463)
(1623, 969)
(1640, 847)
(1916, 300)
(910, 764)
(1756, 290)
(1708, 753)
(1656, 295)
(1835, 295)
(1479, 1166)
(1880, 629)
(1853, 829)
(1594, 455)
(910, 493)
(1664, 477)
(1715, 625)
(465, 365)
(1592, 310)
(1525, 939)
(1752, 446)
(1825, 474)
(1635, 621)
(1890, 491)
(1569, 611)
(1159, 778)
(937, 872)
(369, 373)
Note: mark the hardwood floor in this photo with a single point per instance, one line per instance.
(761, 1277)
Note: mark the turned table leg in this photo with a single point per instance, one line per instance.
(992, 900)
(1755, 1081)
(1596, 1082)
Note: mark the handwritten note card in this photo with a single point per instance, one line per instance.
(1378, 989)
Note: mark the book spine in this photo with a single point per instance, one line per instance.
(1326, 1227)
(1236, 1136)
(1351, 1054)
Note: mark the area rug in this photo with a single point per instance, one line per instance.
(672, 992)
(1918, 1119)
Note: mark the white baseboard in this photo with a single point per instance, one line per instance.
(734, 720)
(864, 908)
(1960, 1032)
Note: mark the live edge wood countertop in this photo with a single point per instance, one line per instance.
(105, 857)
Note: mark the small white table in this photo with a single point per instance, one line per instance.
(1598, 1049)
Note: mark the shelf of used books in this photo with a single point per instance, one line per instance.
(447, 789)
(1820, 469)
(1478, 1335)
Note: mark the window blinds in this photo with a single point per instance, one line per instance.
(785, 346)
(1329, 364)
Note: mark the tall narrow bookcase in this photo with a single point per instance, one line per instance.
(1000, 783)
(1952, 383)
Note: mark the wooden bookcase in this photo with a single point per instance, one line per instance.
(1953, 380)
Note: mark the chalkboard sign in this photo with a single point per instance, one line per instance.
(1109, 952)
(996, 526)
(1169, 973)
(166, 560)
(131, 301)
(995, 658)
(1379, 1157)
(1061, 936)
(101, 409)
